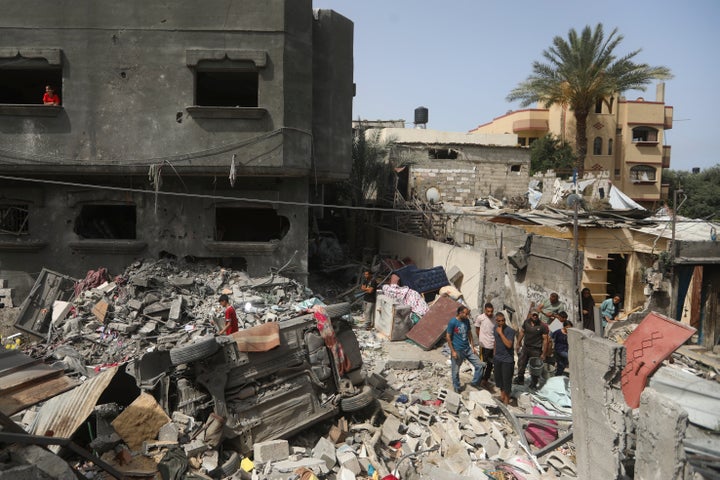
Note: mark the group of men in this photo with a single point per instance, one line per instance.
(497, 342)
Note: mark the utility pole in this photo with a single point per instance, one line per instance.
(576, 262)
(674, 221)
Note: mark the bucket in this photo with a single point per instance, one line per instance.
(535, 365)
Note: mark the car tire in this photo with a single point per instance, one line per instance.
(358, 401)
(191, 352)
(228, 467)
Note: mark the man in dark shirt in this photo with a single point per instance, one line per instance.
(503, 357)
(459, 339)
(369, 286)
(533, 338)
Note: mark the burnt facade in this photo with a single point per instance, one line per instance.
(196, 130)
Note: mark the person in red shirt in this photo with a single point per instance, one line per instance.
(50, 97)
(231, 320)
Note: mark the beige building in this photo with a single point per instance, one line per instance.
(625, 138)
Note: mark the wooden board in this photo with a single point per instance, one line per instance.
(431, 327)
(22, 399)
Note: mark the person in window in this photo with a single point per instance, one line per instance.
(231, 320)
(50, 97)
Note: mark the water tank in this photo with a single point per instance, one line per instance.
(421, 116)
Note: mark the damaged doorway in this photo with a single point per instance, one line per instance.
(249, 225)
(617, 269)
(106, 222)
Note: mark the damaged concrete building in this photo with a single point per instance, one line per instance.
(180, 126)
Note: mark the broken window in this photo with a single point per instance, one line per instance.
(644, 134)
(14, 219)
(226, 84)
(442, 153)
(249, 225)
(106, 222)
(642, 173)
(23, 81)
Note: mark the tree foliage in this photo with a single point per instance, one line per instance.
(551, 153)
(370, 168)
(701, 189)
(579, 71)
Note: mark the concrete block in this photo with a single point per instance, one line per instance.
(195, 447)
(176, 308)
(317, 465)
(169, 433)
(391, 429)
(482, 397)
(135, 304)
(404, 356)
(345, 474)
(325, 450)
(271, 451)
(453, 401)
(349, 461)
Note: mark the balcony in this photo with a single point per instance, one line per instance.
(530, 124)
(666, 156)
(668, 122)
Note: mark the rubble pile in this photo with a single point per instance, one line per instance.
(207, 407)
(162, 304)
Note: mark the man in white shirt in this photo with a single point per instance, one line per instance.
(484, 328)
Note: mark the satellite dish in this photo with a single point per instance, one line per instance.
(573, 199)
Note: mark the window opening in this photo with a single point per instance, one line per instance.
(442, 153)
(14, 219)
(249, 225)
(531, 140)
(106, 222)
(598, 106)
(610, 146)
(469, 239)
(645, 134)
(226, 84)
(522, 141)
(642, 173)
(514, 168)
(597, 146)
(25, 84)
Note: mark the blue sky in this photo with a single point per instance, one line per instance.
(461, 58)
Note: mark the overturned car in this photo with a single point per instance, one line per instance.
(266, 382)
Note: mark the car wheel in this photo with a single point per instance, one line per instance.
(229, 467)
(358, 401)
(193, 351)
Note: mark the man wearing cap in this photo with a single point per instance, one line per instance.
(533, 338)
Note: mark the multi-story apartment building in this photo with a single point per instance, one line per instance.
(625, 138)
(194, 129)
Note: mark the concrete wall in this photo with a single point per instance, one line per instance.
(602, 422)
(483, 171)
(428, 254)
(549, 268)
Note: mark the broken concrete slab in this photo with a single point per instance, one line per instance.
(325, 450)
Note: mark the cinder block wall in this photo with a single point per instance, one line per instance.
(602, 421)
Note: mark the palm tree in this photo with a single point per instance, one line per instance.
(579, 72)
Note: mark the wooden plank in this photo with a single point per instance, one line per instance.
(27, 377)
(22, 399)
(431, 327)
(14, 360)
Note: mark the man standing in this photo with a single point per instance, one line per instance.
(461, 348)
(560, 344)
(609, 310)
(550, 308)
(533, 338)
(369, 286)
(484, 329)
(231, 320)
(504, 357)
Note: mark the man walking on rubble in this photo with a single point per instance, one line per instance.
(484, 329)
(369, 287)
(458, 335)
(533, 337)
(231, 320)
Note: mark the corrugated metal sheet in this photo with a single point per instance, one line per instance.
(62, 416)
(699, 397)
(686, 229)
